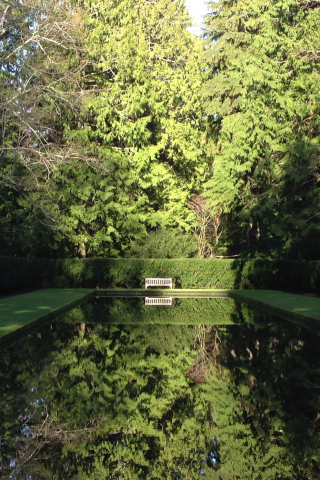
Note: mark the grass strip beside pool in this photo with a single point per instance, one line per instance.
(297, 308)
(20, 311)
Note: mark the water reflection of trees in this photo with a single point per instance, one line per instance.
(145, 401)
(119, 404)
(207, 345)
(275, 371)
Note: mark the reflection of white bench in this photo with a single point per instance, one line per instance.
(158, 282)
(158, 301)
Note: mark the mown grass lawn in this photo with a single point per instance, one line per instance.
(20, 310)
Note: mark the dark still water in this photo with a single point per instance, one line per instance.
(203, 389)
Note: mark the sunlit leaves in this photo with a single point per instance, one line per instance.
(261, 100)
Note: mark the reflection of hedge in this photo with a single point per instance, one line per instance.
(186, 311)
(18, 273)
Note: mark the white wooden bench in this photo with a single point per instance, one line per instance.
(158, 301)
(158, 282)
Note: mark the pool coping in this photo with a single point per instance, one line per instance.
(297, 308)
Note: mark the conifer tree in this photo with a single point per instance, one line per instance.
(143, 117)
(130, 158)
(264, 122)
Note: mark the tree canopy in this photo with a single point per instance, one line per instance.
(262, 96)
(121, 128)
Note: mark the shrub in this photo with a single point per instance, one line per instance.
(165, 243)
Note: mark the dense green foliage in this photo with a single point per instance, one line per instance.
(130, 273)
(124, 155)
(125, 135)
(184, 311)
(262, 98)
(40, 72)
(146, 111)
(93, 174)
(164, 243)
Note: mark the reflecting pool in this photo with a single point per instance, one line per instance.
(205, 388)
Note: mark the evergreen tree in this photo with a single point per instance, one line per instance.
(128, 160)
(143, 117)
(263, 61)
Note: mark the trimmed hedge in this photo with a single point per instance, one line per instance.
(23, 273)
(18, 274)
(286, 275)
(130, 273)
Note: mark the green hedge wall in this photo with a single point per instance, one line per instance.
(22, 273)
(18, 274)
(287, 275)
(130, 273)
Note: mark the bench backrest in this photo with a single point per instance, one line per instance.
(158, 282)
(158, 301)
